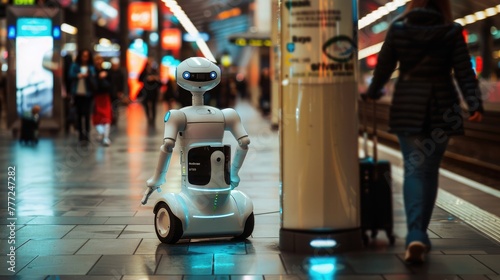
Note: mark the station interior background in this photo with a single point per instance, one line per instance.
(239, 35)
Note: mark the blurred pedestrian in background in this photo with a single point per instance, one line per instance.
(265, 91)
(68, 108)
(82, 74)
(150, 78)
(169, 96)
(117, 80)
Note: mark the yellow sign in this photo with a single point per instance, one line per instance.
(24, 2)
(243, 42)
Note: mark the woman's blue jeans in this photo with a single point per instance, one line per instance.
(422, 156)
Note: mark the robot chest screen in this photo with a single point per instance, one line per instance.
(205, 162)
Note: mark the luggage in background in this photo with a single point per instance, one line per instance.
(29, 126)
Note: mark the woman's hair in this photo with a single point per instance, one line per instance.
(78, 59)
(442, 6)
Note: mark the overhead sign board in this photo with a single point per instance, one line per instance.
(143, 15)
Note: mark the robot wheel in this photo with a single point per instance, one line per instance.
(168, 227)
(249, 224)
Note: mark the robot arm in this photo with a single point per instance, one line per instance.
(233, 124)
(175, 121)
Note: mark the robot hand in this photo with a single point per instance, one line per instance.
(235, 178)
(148, 193)
(152, 185)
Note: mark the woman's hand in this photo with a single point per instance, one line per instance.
(476, 117)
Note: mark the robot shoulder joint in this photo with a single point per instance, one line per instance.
(175, 117)
(231, 117)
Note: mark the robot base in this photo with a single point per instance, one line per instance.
(330, 242)
(177, 217)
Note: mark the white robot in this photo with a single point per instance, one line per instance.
(207, 205)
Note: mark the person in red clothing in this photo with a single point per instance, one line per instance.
(102, 114)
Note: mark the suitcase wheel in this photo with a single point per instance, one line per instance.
(390, 236)
(366, 239)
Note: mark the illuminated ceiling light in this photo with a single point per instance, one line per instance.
(399, 3)
(491, 12)
(370, 50)
(374, 16)
(460, 21)
(189, 27)
(480, 15)
(470, 19)
(380, 12)
(70, 29)
(105, 8)
(391, 6)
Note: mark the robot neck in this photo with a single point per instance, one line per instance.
(197, 98)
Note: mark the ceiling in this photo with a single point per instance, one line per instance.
(202, 12)
(460, 8)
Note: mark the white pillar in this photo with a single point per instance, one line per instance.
(319, 126)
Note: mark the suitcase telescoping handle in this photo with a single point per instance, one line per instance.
(365, 130)
(374, 133)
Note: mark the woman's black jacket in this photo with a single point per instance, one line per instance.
(429, 53)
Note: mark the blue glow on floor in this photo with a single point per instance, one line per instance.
(322, 267)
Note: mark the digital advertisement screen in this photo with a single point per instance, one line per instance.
(34, 82)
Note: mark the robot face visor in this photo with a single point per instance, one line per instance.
(199, 77)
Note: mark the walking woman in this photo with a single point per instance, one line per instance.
(82, 75)
(425, 109)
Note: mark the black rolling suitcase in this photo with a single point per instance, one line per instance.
(376, 191)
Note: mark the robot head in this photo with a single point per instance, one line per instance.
(197, 74)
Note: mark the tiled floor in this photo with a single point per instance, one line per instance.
(79, 217)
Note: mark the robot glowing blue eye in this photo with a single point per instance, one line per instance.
(213, 75)
(186, 75)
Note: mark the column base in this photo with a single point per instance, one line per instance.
(325, 242)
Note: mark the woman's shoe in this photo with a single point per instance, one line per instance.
(415, 252)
